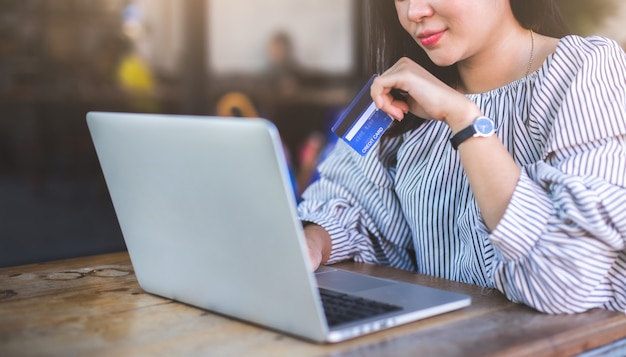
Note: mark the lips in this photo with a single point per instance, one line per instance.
(429, 39)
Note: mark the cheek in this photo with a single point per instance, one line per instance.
(401, 10)
(405, 25)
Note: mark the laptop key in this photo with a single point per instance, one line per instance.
(341, 308)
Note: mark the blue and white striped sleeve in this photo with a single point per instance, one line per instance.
(561, 243)
(355, 202)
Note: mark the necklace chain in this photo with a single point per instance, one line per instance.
(532, 53)
(530, 60)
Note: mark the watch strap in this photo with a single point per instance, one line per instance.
(462, 135)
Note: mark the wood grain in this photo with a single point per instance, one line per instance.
(94, 306)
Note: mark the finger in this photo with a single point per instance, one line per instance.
(315, 260)
(382, 94)
(402, 105)
(393, 107)
(389, 81)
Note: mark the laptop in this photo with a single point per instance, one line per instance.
(208, 215)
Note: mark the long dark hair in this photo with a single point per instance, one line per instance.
(388, 41)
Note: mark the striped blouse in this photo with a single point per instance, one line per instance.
(560, 246)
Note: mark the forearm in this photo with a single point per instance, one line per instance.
(489, 167)
(492, 174)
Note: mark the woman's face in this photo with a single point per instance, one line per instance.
(451, 31)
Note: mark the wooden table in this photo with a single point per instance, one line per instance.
(92, 306)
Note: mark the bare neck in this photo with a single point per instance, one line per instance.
(505, 59)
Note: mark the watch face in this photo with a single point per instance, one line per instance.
(484, 126)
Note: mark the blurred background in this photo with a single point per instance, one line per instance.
(295, 62)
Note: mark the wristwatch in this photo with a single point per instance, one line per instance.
(481, 127)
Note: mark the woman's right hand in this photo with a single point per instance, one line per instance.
(318, 243)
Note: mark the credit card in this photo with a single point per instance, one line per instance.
(361, 125)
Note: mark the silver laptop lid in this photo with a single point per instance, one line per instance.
(202, 204)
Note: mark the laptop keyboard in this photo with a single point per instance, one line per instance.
(342, 308)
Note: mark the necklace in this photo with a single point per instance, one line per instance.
(532, 53)
(530, 60)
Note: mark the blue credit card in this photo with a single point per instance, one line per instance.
(361, 125)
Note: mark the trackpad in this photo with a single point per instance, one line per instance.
(348, 282)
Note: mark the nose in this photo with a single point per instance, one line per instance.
(419, 9)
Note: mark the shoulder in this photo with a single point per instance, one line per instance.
(580, 62)
(578, 51)
(583, 91)
(578, 44)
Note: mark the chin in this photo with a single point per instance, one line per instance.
(442, 61)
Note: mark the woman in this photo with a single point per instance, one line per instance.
(536, 209)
